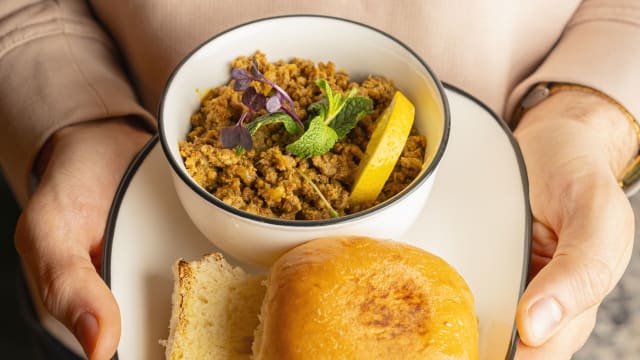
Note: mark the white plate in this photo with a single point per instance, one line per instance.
(477, 218)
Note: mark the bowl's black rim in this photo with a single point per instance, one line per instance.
(142, 155)
(307, 223)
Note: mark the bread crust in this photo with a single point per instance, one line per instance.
(183, 282)
(361, 298)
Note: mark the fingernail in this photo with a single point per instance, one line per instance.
(544, 317)
(86, 331)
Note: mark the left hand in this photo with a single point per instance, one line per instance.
(60, 232)
(574, 145)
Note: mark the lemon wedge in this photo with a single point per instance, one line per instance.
(383, 150)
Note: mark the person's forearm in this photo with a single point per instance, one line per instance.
(599, 49)
(57, 68)
(124, 131)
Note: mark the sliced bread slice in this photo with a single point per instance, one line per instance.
(215, 310)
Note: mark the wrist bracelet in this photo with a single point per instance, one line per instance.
(544, 90)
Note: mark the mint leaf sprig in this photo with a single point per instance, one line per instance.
(290, 125)
(332, 118)
(334, 102)
(335, 116)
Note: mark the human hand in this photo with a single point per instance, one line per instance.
(574, 145)
(60, 232)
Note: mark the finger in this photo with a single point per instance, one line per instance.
(72, 290)
(565, 342)
(594, 245)
(544, 245)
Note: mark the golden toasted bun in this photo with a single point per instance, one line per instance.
(360, 298)
(214, 311)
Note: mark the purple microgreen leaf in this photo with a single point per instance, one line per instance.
(246, 142)
(273, 103)
(284, 97)
(254, 69)
(234, 136)
(280, 91)
(229, 137)
(253, 99)
(240, 73)
(242, 78)
(238, 135)
(241, 85)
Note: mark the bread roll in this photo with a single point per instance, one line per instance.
(360, 298)
(215, 310)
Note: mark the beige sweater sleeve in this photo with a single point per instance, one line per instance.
(599, 48)
(57, 67)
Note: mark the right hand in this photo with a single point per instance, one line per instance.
(60, 233)
(574, 144)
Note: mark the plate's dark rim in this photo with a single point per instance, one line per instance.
(139, 159)
(310, 223)
(524, 277)
(107, 246)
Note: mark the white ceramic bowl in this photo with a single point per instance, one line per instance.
(356, 48)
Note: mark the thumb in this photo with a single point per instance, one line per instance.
(72, 290)
(75, 294)
(595, 237)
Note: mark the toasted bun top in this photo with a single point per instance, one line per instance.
(361, 298)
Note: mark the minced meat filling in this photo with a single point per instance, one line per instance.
(265, 180)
